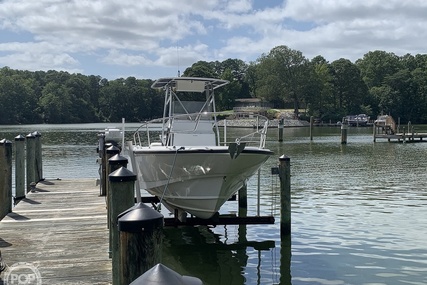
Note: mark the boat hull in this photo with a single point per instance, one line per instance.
(197, 180)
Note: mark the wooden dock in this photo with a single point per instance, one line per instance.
(61, 229)
(402, 137)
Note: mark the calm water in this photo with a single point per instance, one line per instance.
(359, 211)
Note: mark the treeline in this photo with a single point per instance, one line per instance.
(60, 97)
(379, 83)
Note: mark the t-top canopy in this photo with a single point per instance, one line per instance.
(189, 84)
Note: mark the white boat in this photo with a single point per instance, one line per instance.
(190, 165)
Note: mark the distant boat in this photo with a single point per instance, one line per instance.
(189, 165)
(357, 120)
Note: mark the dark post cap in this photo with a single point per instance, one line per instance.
(138, 217)
(118, 160)
(30, 136)
(5, 141)
(19, 138)
(122, 175)
(163, 275)
(113, 150)
(37, 134)
(284, 158)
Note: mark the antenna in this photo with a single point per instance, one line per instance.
(177, 54)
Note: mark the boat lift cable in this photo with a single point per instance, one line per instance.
(169, 177)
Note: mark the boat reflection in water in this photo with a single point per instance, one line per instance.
(198, 252)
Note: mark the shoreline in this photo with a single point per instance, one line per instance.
(251, 123)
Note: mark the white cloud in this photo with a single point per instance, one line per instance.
(56, 34)
(116, 57)
(239, 6)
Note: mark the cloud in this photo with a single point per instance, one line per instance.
(351, 28)
(57, 34)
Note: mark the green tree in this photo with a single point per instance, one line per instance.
(55, 104)
(350, 90)
(375, 66)
(81, 110)
(321, 103)
(282, 74)
(200, 69)
(18, 101)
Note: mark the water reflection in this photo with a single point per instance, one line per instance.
(199, 252)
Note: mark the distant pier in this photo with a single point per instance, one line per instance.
(386, 128)
(402, 137)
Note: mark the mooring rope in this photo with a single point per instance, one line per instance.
(169, 177)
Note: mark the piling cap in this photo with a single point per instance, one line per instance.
(113, 150)
(162, 275)
(118, 160)
(139, 217)
(37, 134)
(122, 175)
(30, 136)
(19, 138)
(284, 158)
(5, 141)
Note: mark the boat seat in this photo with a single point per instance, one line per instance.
(193, 133)
(194, 139)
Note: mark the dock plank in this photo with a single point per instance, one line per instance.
(61, 229)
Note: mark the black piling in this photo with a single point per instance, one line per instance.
(5, 177)
(110, 151)
(19, 167)
(281, 127)
(30, 141)
(38, 156)
(122, 191)
(311, 127)
(243, 196)
(285, 259)
(102, 163)
(141, 231)
(114, 163)
(344, 129)
(2, 264)
(285, 195)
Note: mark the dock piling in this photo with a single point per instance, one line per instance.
(30, 141)
(344, 128)
(110, 151)
(114, 163)
(374, 132)
(141, 231)
(19, 167)
(122, 192)
(243, 196)
(102, 164)
(281, 127)
(2, 264)
(38, 156)
(5, 177)
(285, 195)
(311, 127)
(285, 259)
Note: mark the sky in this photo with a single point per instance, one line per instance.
(150, 39)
